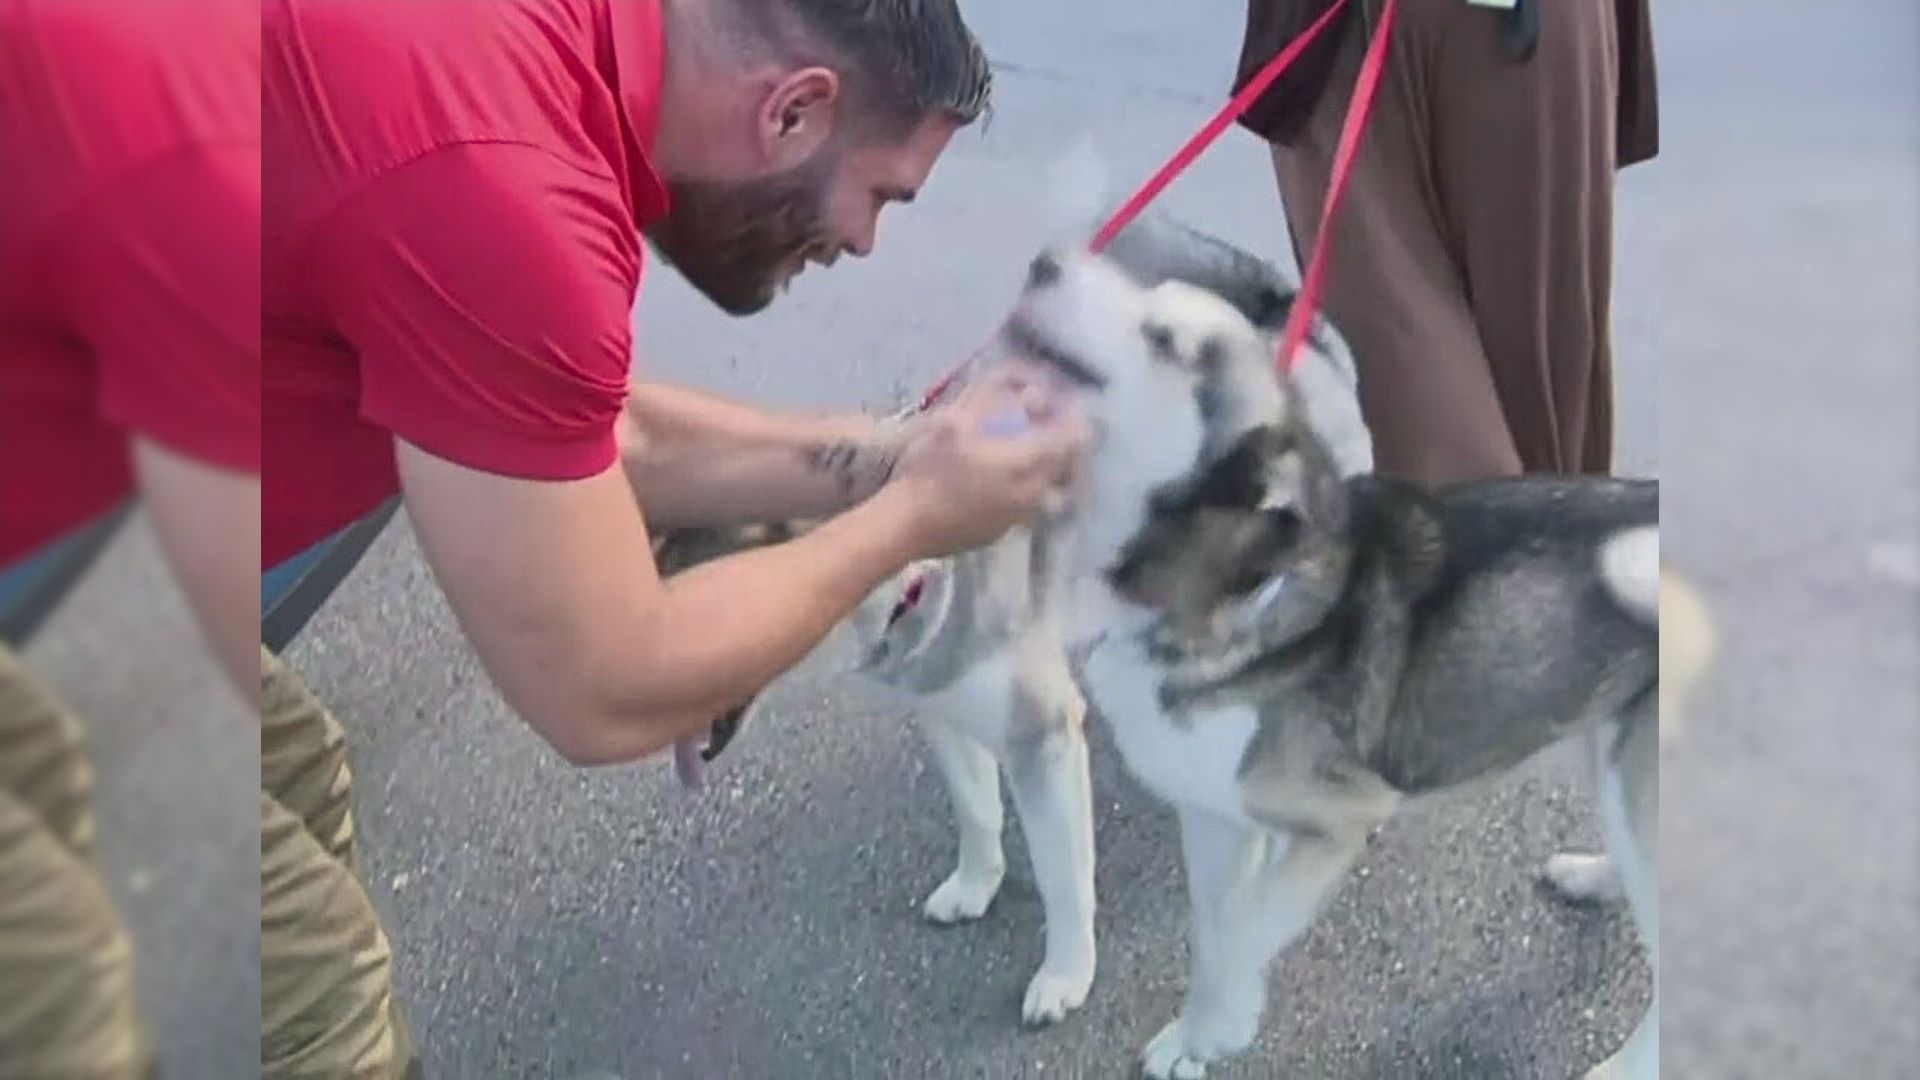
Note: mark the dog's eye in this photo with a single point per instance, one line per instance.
(1278, 540)
(1159, 338)
(1213, 354)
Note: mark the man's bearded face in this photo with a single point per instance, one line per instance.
(741, 242)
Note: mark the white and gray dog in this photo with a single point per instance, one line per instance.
(981, 639)
(1287, 648)
(1288, 654)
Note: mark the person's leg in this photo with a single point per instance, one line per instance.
(43, 757)
(1471, 264)
(1394, 287)
(1523, 161)
(303, 760)
(326, 968)
(67, 1003)
(327, 999)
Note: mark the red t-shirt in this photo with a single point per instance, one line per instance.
(454, 195)
(129, 249)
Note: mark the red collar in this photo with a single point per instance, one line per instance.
(639, 63)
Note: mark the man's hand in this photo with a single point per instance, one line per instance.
(988, 462)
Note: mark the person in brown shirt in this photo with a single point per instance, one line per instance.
(1472, 260)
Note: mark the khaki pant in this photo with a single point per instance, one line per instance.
(67, 1003)
(326, 987)
(67, 1007)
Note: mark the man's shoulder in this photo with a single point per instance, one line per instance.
(365, 85)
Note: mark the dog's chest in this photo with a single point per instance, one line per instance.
(1193, 760)
(1011, 699)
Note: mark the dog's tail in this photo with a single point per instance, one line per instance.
(1687, 647)
(1630, 565)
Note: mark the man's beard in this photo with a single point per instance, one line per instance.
(732, 239)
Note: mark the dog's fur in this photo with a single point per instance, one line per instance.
(1288, 655)
(1287, 648)
(984, 644)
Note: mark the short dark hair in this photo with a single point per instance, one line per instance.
(910, 59)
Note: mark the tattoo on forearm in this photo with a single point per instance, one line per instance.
(860, 467)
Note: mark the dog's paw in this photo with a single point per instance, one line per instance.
(1166, 1056)
(1610, 1069)
(1052, 995)
(1584, 879)
(962, 898)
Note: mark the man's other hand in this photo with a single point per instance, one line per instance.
(993, 459)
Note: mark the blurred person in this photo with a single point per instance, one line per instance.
(1471, 265)
(129, 364)
(456, 202)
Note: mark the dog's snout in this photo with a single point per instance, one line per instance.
(1043, 271)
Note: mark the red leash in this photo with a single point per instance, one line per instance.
(1204, 138)
(1306, 303)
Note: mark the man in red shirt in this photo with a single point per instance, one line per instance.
(455, 200)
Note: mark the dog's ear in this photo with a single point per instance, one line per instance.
(1286, 499)
(1298, 487)
(1325, 488)
(1267, 307)
(1236, 480)
(1283, 483)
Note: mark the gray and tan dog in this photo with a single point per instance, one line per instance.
(1287, 649)
(981, 639)
(1288, 655)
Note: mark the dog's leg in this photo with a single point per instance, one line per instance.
(973, 785)
(1629, 803)
(1054, 795)
(1253, 892)
(1217, 854)
(1580, 877)
(1583, 878)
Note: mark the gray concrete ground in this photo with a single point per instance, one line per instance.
(1789, 314)
(549, 922)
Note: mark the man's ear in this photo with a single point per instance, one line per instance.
(797, 116)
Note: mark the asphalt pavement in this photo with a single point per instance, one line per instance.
(550, 922)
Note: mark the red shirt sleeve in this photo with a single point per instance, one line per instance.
(487, 290)
(160, 278)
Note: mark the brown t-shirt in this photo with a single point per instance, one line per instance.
(1280, 112)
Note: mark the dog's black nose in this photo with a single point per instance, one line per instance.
(1043, 271)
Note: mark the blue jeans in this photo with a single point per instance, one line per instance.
(293, 590)
(21, 579)
(17, 579)
(275, 582)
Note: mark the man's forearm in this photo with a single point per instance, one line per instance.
(679, 417)
(694, 459)
(746, 485)
(758, 614)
